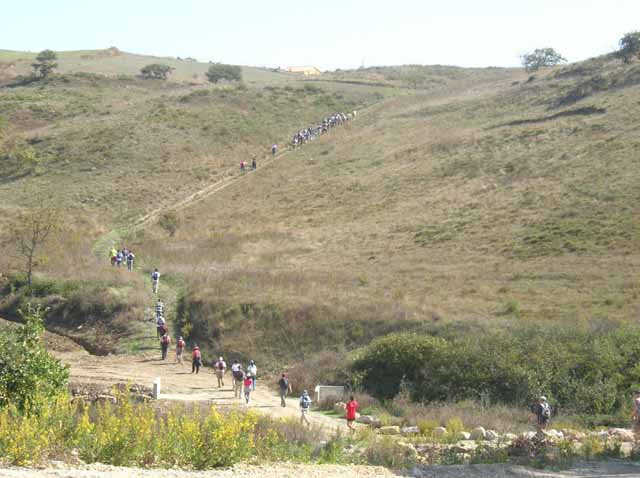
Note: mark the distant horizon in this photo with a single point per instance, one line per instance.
(332, 35)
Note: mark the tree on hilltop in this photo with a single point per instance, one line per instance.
(45, 63)
(156, 71)
(629, 47)
(220, 71)
(540, 58)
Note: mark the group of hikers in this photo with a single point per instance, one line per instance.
(119, 257)
(307, 134)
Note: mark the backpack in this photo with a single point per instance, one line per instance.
(155, 276)
(545, 410)
(284, 384)
(165, 340)
(238, 375)
(220, 365)
(305, 401)
(181, 344)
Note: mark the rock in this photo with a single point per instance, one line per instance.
(528, 435)
(409, 450)
(478, 434)
(510, 437)
(464, 446)
(492, 435)
(391, 430)
(463, 436)
(410, 430)
(339, 408)
(439, 432)
(369, 420)
(622, 434)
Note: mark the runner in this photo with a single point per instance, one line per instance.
(285, 389)
(165, 341)
(196, 359)
(252, 370)
(221, 368)
(179, 349)
(248, 383)
(305, 405)
(155, 280)
(351, 409)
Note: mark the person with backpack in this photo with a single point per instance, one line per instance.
(252, 370)
(238, 377)
(165, 341)
(305, 406)
(196, 359)
(131, 257)
(351, 412)
(160, 326)
(542, 411)
(254, 164)
(285, 388)
(247, 383)
(221, 368)
(119, 258)
(113, 255)
(155, 281)
(274, 149)
(180, 345)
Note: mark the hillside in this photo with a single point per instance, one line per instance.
(500, 204)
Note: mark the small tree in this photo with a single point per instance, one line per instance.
(27, 371)
(629, 47)
(30, 232)
(169, 222)
(220, 71)
(156, 71)
(540, 58)
(45, 63)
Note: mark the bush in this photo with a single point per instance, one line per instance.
(156, 71)
(220, 71)
(582, 372)
(27, 371)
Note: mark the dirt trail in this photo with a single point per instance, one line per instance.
(179, 384)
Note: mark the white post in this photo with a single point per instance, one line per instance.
(156, 388)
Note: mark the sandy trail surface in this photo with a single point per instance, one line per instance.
(179, 384)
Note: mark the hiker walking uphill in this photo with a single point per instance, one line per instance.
(113, 256)
(635, 414)
(221, 368)
(285, 389)
(180, 345)
(196, 359)
(542, 411)
(161, 327)
(131, 257)
(252, 370)
(155, 281)
(237, 375)
(305, 406)
(165, 341)
(247, 384)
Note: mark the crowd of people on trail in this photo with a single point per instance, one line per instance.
(307, 134)
(120, 257)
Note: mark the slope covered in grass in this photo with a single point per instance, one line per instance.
(501, 204)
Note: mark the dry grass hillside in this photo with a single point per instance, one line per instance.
(494, 203)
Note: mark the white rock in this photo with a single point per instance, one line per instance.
(622, 434)
(410, 430)
(463, 436)
(478, 433)
(510, 437)
(491, 435)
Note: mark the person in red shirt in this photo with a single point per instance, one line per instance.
(351, 409)
(196, 360)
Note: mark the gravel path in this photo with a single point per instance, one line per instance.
(58, 470)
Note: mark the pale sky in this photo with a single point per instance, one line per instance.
(328, 34)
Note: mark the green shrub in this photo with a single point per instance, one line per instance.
(27, 371)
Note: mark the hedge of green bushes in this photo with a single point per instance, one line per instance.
(582, 371)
